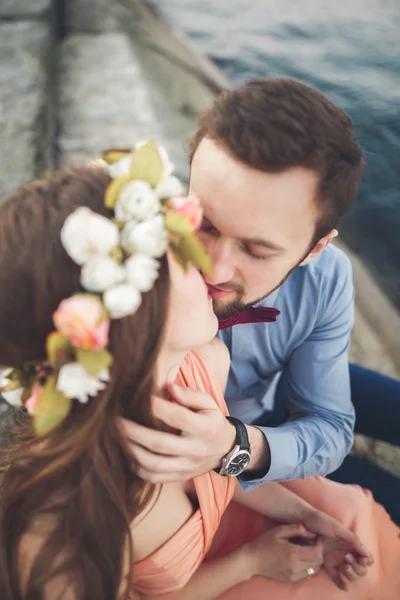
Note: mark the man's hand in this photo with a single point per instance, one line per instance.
(206, 437)
(345, 558)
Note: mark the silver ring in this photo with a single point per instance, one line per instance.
(310, 572)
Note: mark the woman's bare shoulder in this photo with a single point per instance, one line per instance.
(216, 355)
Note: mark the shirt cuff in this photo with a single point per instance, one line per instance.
(284, 458)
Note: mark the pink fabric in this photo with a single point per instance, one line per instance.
(219, 526)
(170, 567)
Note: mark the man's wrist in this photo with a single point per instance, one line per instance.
(260, 461)
(308, 513)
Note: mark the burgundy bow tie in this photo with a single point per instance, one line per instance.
(250, 315)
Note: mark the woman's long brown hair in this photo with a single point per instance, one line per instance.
(77, 479)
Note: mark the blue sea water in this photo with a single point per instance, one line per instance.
(348, 49)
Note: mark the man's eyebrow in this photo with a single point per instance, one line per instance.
(255, 241)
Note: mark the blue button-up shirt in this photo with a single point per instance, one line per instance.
(305, 352)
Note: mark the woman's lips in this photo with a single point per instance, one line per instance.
(216, 292)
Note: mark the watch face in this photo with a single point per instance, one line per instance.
(237, 463)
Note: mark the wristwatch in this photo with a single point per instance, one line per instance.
(234, 463)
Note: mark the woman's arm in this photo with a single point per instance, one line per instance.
(271, 554)
(211, 579)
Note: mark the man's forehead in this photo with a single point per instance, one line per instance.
(220, 217)
(242, 202)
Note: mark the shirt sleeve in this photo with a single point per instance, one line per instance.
(316, 380)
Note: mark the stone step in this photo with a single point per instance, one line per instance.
(27, 45)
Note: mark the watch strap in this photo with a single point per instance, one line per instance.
(242, 438)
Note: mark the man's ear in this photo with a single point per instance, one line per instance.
(320, 246)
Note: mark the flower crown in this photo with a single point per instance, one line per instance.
(118, 259)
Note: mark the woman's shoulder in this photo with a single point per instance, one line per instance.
(215, 357)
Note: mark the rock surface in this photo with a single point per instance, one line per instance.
(106, 100)
(25, 103)
(11, 9)
(92, 16)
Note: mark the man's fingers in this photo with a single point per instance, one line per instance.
(159, 442)
(158, 464)
(337, 577)
(359, 569)
(361, 550)
(193, 399)
(366, 561)
(347, 572)
(341, 532)
(179, 417)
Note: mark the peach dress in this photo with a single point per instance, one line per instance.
(220, 525)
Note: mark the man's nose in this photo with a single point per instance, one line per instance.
(222, 257)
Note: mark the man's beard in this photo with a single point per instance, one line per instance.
(237, 305)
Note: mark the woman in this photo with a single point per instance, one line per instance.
(75, 522)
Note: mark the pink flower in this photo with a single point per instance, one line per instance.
(33, 399)
(81, 319)
(190, 208)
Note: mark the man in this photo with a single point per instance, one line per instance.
(275, 166)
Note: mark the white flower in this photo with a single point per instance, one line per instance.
(168, 165)
(13, 397)
(86, 234)
(120, 168)
(122, 300)
(136, 200)
(148, 237)
(75, 382)
(142, 271)
(169, 187)
(101, 273)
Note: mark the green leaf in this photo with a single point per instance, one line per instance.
(113, 156)
(113, 190)
(177, 255)
(94, 361)
(15, 375)
(177, 223)
(58, 348)
(193, 250)
(51, 408)
(147, 164)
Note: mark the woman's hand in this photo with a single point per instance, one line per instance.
(274, 555)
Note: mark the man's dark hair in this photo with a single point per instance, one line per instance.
(279, 123)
